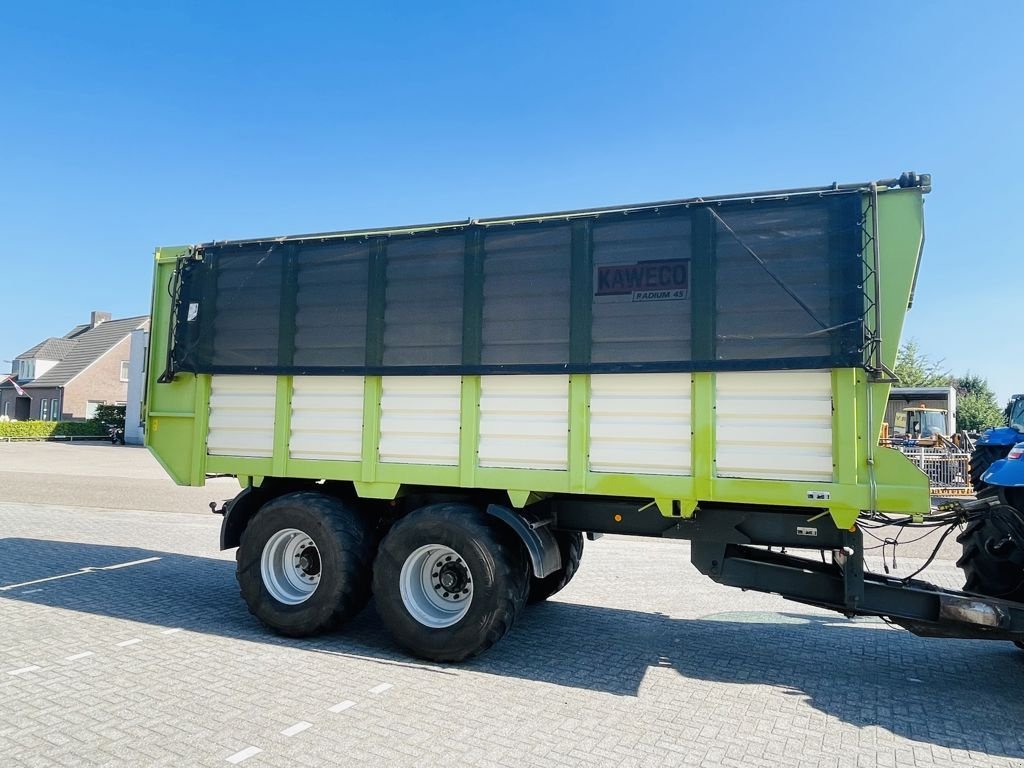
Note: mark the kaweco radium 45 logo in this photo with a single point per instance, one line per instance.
(661, 280)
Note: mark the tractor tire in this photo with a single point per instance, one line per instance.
(449, 581)
(570, 545)
(993, 553)
(985, 456)
(304, 564)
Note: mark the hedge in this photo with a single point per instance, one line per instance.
(44, 429)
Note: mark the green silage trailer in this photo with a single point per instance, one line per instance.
(439, 415)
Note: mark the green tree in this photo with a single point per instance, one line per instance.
(976, 408)
(972, 384)
(976, 412)
(110, 415)
(916, 369)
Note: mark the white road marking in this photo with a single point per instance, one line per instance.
(128, 564)
(78, 656)
(245, 754)
(342, 706)
(859, 625)
(299, 727)
(133, 641)
(80, 572)
(171, 631)
(24, 670)
(380, 688)
(31, 591)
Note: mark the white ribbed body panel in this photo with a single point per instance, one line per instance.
(419, 419)
(241, 416)
(640, 423)
(327, 418)
(524, 422)
(774, 425)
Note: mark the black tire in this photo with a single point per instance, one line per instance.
(1019, 644)
(985, 456)
(497, 566)
(345, 545)
(993, 546)
(570, 545)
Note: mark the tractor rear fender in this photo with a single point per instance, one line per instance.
(1008, 472)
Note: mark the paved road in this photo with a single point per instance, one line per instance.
(99, 475)
(128, 477)
(640, 661)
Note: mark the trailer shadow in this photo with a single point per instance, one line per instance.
(955, 694)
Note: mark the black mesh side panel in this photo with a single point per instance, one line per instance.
(423, 301)
(247, 307)
(641, 293)
(330, 316)
(526, 295)
(778, 289)
(738, 285)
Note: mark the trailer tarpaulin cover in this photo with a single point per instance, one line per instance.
(735, 285)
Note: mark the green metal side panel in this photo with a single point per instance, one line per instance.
(176, 412)
(898, 485)
(864, 476)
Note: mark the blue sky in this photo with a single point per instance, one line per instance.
(124, 127)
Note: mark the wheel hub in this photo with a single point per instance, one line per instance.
(290, 566)
(309, 561)
(436, 586)
(451, 579)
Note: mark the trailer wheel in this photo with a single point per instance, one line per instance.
(570, 545)
(449, 581)
(985, 456)
(993, 553)
(304, 564)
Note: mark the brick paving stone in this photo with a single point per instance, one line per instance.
(640, 661)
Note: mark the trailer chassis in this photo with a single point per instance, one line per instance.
(737, 547)
(744, 546)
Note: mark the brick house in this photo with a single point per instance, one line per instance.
(68, 377)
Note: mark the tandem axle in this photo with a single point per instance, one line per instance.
(740, 547)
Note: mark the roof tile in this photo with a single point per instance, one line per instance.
(88, 348)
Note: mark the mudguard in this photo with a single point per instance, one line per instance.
(1007, 473)
(535, 532)
(1000, 436)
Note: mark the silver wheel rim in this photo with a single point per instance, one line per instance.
(290, 566)
(436, 586)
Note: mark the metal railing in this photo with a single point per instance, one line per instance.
(947, 472)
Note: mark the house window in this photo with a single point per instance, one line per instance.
(124, 370)
(91, 406)
(55, 409)
(7, 409)
(44, 413)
